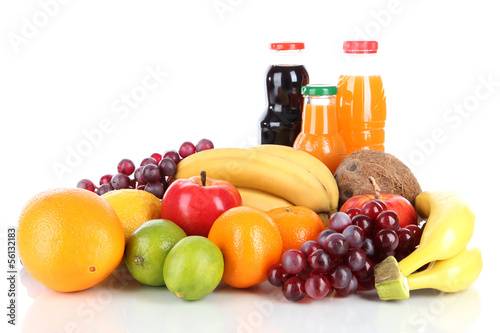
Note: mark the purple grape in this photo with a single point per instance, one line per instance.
(350, 289)
(369, 248)
(174, 155)
(309, 247)
(339, 221)
(336, 245)
(149, 160)
(365, 223)
(186, 149)
(354, 235)
(340, 277)
(386, 240)
(138, 176)
(353, 211)
(293, 261)
(317, 286)
(387, 219)
(86, 184)
(156, 189)
(275, 275)
(204, 144)
(322, 236)
(105, 179)
(167, 167)
(157, 157)
(151, 173)
(366, 272)
(104, 188)
(354, 259)
(406, 240)
(120, 181)
(126, 167)
(319, 261)
(371, 209)
(294, 289)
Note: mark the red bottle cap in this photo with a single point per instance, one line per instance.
(360, 47)
(287, 46)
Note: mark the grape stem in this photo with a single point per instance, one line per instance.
(203, 176)
(376, 188)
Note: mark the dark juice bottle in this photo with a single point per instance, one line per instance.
(282, 121)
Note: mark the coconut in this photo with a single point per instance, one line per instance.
(391, 175)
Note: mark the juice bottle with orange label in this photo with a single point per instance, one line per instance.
(361, 99)
(319, 134)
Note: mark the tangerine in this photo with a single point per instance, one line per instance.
(250, 243)
(297, 225)
(69, 239)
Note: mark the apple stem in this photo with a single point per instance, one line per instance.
(203, 176)
(376, 188)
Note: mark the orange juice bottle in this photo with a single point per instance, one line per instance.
(361, 99)
(319, 134)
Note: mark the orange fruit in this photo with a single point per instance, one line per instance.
(297, 225)
(69, 239)
(250, 243)
(134, 208)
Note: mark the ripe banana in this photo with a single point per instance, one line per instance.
(448, 230)
(265, 201)
(262, 171)
(310, 163)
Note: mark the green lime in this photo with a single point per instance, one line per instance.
(193, 268)
(147, 248)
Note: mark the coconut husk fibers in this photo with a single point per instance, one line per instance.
(391, 175)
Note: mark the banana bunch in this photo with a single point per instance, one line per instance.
(453, 266)
(269, 176)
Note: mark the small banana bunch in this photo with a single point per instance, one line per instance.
(444, 244)
(269, 176)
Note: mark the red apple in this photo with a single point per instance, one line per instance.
(400, 205)
(195, 203)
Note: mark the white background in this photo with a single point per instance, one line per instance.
(67, 66)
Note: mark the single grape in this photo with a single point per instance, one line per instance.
(340, 277)
(371, 209)
(406, 240)
(294, 289)
(167, 167)
(336, 245)
(339, 221)
(157, 157)
(204, 144)
(322, 236)
(366, 272)
(155, 188)
(369, 247)
(350, 289)
(138, 176)
(317, 286)
(275, 275)
(387, 219)
(417, 232)
(319, 261)
(148, 160)
(151, 173)
(293, 261)
(126, 167)
(105, 179)
(174, 155)
(354, 259)
(86, 184)
(365, 223)
(104, 188)
(186, 149)
(309, 247)
(353, 211)
(354, 235)
(386, 240)
(120, 181)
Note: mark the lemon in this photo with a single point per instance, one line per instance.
(147, 248)
(193, 268)
(133, 207)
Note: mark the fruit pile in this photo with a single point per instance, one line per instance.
(244, 216)
(152, 174)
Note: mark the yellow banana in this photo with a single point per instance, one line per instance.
(262, 171)
(451, 275)
(262, 200)
(310, 163)
(448, 230)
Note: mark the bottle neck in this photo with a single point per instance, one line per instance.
(319, 115)
(361, 64)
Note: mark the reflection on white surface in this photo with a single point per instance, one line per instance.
(120, 304)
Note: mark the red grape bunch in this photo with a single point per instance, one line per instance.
(151, 175)
(343, 257)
